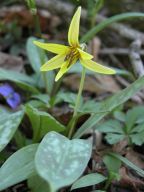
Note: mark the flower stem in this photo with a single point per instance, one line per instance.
(77, 103)
(33, 9)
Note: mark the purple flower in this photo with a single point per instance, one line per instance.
(12, 98)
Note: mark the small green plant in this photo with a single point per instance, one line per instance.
(129, 126)
(113, 165)
(54, 156)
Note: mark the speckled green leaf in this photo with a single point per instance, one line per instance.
(61, 161)
(8, 125)
(18, 167)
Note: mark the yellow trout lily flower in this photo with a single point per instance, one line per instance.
(68, 55)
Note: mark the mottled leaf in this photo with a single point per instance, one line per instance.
(8, 125)
(61, 161)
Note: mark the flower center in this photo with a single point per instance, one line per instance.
(71, 56)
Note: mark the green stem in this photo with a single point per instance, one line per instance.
(37, 25)
(37, 133)
(108, 182)
(38, 32)
(33, 9)
(77, 103)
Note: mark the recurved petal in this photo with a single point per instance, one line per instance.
(93, 66)
(73, 33)
(53, 63)
(62, 70)
(52, 47)
(65, 67)
(84, 55)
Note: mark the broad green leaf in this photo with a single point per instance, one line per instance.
(34, 54)
(128, 163)
(37, 58)
(37, 104)
(8, 125)
(138, 129)
(61, 161)
(113, 164)
(119, 116)
(124, 16)
(113, 138)
(42, 122)
(22, 80)
(42, 97)
(98, 191)
(88, 180)
(18, 167)
(132, 116)
(89, 107)
(138, 138)
(27, 87)
(37, 184)
(15, 76)
(109, 104)
(110, 126)
(67, 97)
(93, 7)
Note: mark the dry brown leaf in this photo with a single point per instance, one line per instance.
(135, 158)
(120, 147)
(107, 83)
(63, 114)
(11, 62)
(128, 180)
(94, 47)
(98, 85)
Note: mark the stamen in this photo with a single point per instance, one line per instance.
(71, 56)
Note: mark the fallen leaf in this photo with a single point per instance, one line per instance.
(11, 62)
(135, 158)
(128, 180)
(98, 85)
(120, 147)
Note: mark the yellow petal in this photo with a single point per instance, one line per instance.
(62, 70)
(84, 55)
(93, 66)
(73, 33)
(54, 48)
(53, 63)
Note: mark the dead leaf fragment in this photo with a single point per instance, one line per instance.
(11, 62)
(99, 85)
(135, 158)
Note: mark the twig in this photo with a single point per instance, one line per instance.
(117, 51)
(134, 55)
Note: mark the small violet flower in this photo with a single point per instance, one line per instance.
(12, 98)
(68, 55)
